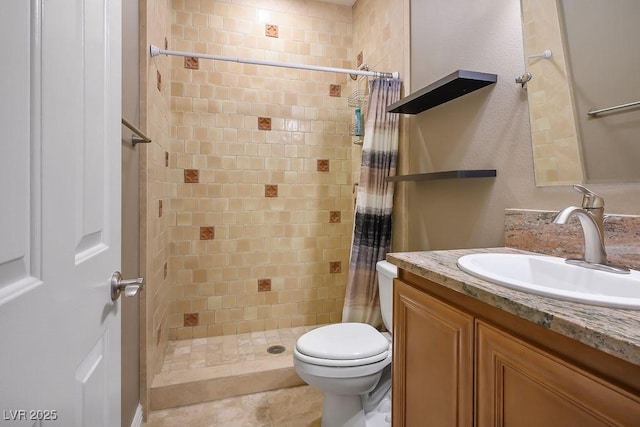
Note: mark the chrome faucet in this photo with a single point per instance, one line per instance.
(591, 216)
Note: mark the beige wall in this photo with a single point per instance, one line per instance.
(486, 129)
(130, 267)
(155, 21)
(243, 255)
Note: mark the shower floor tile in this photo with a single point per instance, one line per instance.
(214, 368)
(229, 349)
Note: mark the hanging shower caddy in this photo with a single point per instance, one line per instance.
(357, 100)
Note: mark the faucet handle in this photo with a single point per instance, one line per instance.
(590, 200)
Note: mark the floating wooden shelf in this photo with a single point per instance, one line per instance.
(447, 88)
(455, 174)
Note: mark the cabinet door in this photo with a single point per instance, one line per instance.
(432, 361)
(521, 385)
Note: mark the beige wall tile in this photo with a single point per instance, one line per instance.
(214, 115)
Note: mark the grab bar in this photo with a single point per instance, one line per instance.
(141, 138)
(617, 107)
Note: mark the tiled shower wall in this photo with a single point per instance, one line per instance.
(155, 191)
(260, 163)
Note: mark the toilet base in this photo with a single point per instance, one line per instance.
(365, 410)
(343, 411)
(346, 411)
(381, 415)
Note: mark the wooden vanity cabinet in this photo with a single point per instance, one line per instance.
(460, 362)
(519, 384)
(433, 367)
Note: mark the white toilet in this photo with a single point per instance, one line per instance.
(351, 363)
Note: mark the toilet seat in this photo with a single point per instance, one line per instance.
(326, 368)
(343, 344)
(341, 362)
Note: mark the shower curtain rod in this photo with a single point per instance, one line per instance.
(155, 51)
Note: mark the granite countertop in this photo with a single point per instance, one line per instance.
(613, 331)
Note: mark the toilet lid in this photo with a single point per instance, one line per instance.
(343, 341)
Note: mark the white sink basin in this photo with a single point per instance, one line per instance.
(552, 277)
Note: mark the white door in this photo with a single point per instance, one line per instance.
(60, 212)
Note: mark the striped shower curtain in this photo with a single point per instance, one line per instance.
(374, 202)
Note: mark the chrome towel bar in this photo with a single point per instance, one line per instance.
(617, 107)
(139, 137)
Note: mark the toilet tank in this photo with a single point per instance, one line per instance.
(386, 274)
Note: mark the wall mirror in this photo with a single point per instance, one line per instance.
(595, 65)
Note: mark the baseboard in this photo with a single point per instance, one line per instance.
(137, 417)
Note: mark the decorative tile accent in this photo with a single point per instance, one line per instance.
(335, 267)
(165, 270)
(264, 285)
(191, 319)
(191, 63)
(159, 78)
(191, 176)
(335, 90)
(207, 233)
(323, 165)
(159, 208)
(334, 216)
(533, 230)
(271, 30)
(264, 123)
(359, 59)
(271, 190)
(166, 158)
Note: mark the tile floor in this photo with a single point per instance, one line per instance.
(199, 359)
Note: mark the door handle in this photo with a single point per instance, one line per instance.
(131, 287)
